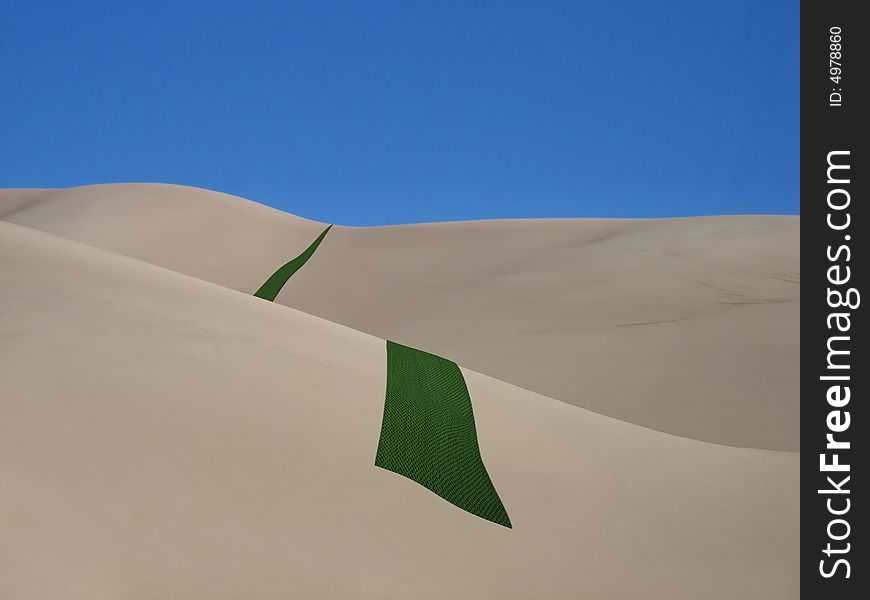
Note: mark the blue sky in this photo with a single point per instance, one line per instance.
(392, 112)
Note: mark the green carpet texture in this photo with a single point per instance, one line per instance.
(273, 285)
(428, 433)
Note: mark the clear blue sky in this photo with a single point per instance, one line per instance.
(388, 112)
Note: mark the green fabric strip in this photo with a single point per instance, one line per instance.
(269, 290)
(428, 432)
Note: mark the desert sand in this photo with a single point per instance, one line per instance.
(162, 436)
(686, 326)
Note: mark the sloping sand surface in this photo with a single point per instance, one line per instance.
(164, 437)
(688, 326)
(213, 236)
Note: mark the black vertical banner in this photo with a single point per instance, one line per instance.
(834, 370)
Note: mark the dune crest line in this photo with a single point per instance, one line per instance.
(428, 433)
(270, 289)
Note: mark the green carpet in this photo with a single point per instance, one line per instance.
(273, 285)
(428, 433)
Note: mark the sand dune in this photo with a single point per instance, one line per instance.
(165, 437)
(212, 236)
(687, 326)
